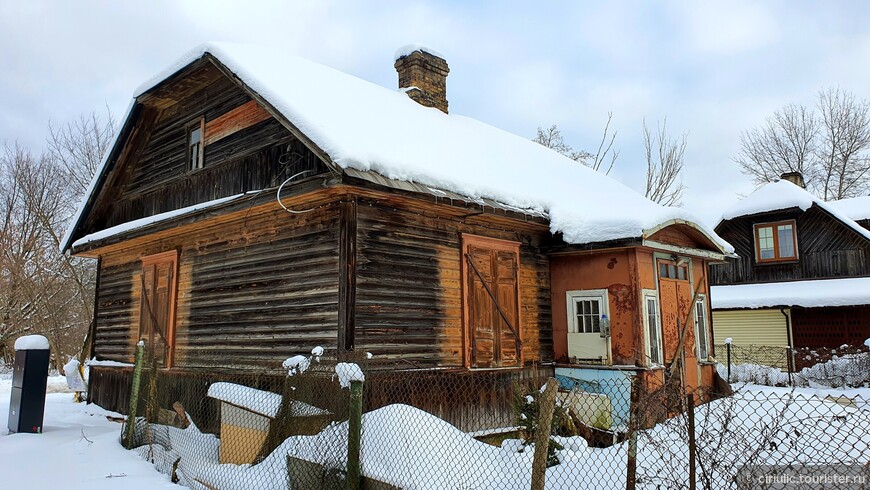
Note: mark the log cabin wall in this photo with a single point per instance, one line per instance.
(409, 286)
(253, 290)
(827, 248)
(245, 149)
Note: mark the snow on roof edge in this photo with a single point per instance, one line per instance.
(86, 197)
(849, 291)
(150, 220)
(410, 48)
(856, 208)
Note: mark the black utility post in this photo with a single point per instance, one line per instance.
(29, 378)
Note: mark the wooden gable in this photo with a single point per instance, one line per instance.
(244, 148)
(827, 248)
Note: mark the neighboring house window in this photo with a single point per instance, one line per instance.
(194, 145)
(491, 302)
(159, 285)
(775, 241)
(669, 269)
(653, 326)
(702, 329)
(587, 332)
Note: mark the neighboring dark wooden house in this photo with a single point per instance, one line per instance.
(255, 205)
(803, 276)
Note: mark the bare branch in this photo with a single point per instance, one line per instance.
(664, 165)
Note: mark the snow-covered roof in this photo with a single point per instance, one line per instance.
(363, 126)
(262, 402)
(782, 194)
(857, 208)
(809, 294)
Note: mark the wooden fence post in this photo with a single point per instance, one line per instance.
(134, 397)
(354, 435)
(690, 412)
(546, 404)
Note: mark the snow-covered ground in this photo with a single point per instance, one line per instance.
(78, 449)
(408, 447)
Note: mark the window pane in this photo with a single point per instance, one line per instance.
(195, 136)
(652, 320)
(765, 242)
(700, 315)
(672, 271)
(663, 270)
(785, 236)
(596, 323)
(682, 273)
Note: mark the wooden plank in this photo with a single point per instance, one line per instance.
(233, 121)
(347, 274)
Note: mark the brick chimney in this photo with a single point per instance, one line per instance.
(795, 178)
(423, 76)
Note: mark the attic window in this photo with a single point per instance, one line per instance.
(775, 242)
(194, 145)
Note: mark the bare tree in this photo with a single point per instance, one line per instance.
(79, 146)
(664, 165)
(785, 143)
(844, 145)
(830, 147)
(41, 290)
(552, 138)
(664, 158)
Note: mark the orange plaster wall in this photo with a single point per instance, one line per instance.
(604, 270)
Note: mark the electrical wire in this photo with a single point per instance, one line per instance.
(281, 187)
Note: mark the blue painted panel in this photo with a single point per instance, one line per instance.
(614, 383)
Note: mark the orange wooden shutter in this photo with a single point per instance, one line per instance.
(157, 306)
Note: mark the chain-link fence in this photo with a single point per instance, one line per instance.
(328, 423)
(845, 366)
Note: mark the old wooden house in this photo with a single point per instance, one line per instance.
(255, 205)
(803, 276)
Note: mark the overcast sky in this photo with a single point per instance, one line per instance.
(712, 68)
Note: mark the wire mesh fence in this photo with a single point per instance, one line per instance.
(329, 423)
(845, 366)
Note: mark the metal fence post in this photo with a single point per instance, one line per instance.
(728, 350)
(354, 435)
(130, 429)
(546, 403)
(690, 412)
(790, 363)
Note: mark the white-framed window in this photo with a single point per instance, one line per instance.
(586, 309)
(653, 327)
(702, 329)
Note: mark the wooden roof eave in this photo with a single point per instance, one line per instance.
(373, 181)
(301, 192)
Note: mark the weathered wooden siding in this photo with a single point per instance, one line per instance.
(115, 311)
(244, 151)
(826, 248)
(409, 287)
(252, 291)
